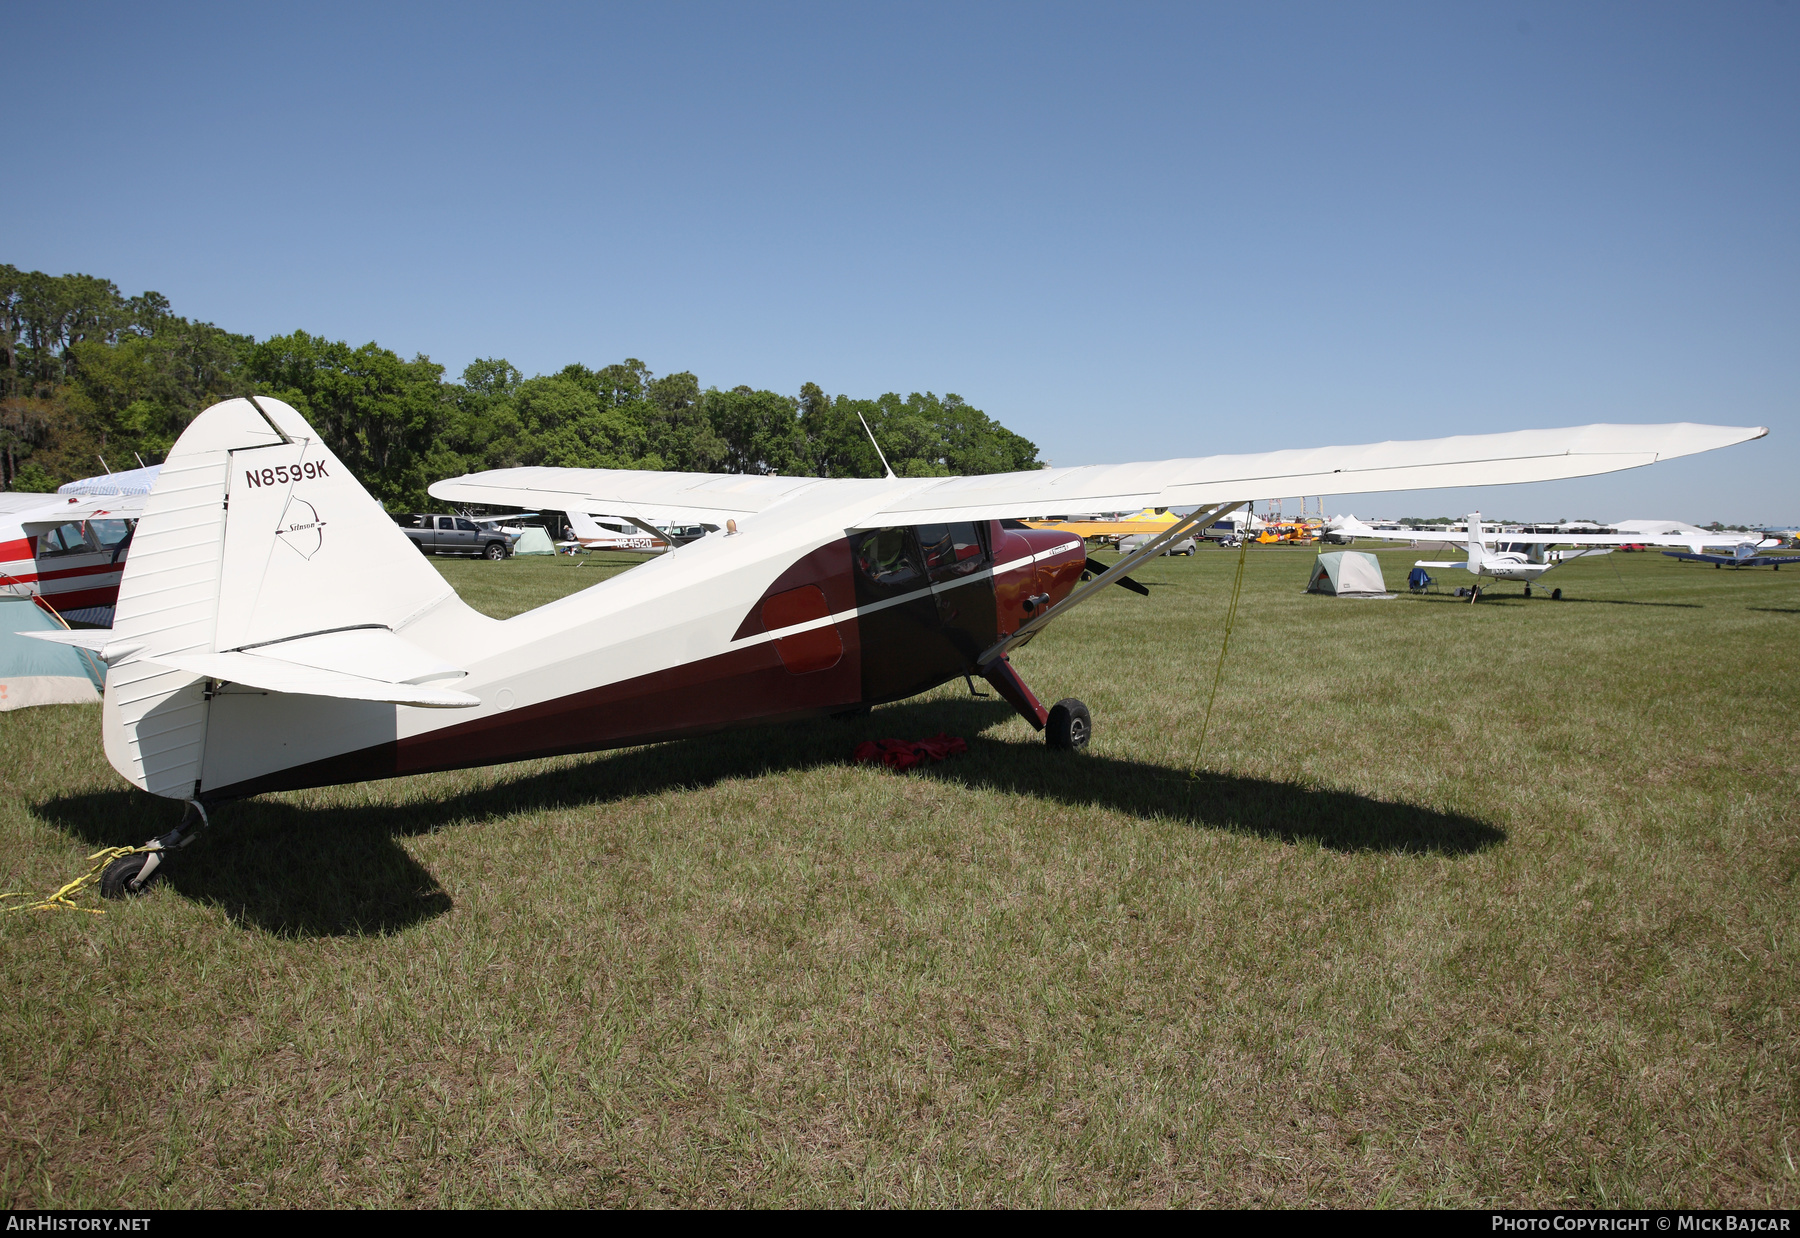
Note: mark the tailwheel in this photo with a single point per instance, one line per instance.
(132, 874)
(1069, 726)
(126, 875)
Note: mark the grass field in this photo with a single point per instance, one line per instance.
(1468, 905)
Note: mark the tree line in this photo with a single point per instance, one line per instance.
(89, 376)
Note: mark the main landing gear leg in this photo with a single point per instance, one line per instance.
(1067, 725)
(132, 874)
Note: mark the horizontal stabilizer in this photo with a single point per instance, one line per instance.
(273, 675)
(364, 652)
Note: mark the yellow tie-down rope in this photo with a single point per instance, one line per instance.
(65, 897)
(1231, 613)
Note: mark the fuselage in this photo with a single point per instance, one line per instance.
(72, 565)
(1510, 565)
(801, 614)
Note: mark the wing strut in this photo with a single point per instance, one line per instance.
(1029, 629)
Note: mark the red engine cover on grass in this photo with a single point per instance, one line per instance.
(904, 754)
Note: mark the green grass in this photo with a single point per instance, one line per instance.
(1469, 905)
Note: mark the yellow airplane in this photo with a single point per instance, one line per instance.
(1150, 520)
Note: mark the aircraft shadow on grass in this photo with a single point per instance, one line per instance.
(301, 870)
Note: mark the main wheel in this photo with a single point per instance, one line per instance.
(1556, 595)
(494, 552)
(116, 878)
(1069, 727)
(1527, 590)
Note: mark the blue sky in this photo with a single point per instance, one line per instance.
(1127, 231)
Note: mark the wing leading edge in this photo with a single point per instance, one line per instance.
(1420, 464)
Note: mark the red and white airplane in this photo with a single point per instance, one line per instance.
(276, 630)
(68, 549)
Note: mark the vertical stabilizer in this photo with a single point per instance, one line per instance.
(1476, 553)
(255, 533)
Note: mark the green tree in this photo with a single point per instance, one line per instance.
(379, 413)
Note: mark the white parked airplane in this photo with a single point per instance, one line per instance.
(645, 534)
(1501, 555)
(276, 630)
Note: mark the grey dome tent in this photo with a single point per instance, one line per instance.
(1348, 574)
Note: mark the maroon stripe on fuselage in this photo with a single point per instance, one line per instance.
(745, 687)
(828, 567)
(905, 649)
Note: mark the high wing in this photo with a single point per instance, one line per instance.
(689, 496)
(1489, 534)
(1464, 460)
(60, 509)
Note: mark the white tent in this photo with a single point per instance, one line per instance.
(534, 542)
(1348, 574)
(35, 672)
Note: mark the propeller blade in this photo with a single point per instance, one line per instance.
(1095, 567)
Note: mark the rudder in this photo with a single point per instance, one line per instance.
(255, 532)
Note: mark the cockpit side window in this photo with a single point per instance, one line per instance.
(885, 559)
(66, 539)
(952, 550)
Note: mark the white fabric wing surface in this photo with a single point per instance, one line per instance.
(1463, 460)
(686, 496)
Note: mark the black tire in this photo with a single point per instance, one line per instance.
(1556, 595)
(116, 878)
(494, 552)
(1069, 727)
(1527, 590)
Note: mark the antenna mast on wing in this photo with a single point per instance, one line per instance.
(871, 434)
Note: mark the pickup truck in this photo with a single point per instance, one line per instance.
(455, 535)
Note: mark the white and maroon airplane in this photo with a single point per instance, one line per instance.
(275, 630)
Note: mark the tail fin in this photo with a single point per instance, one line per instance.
(584, 526)
(1476, 552)
(254, 534)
